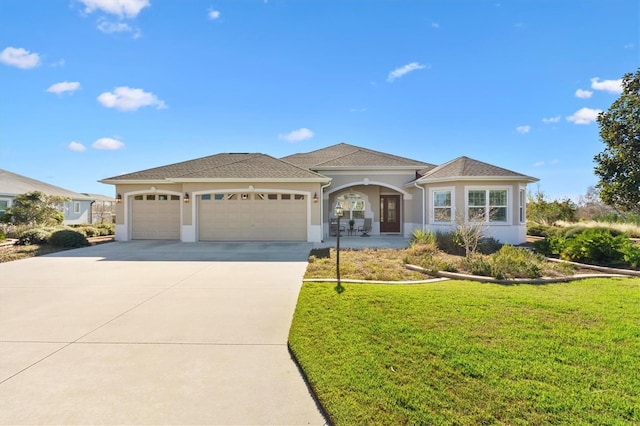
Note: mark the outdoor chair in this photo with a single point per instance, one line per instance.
(365, 228)
(333, 227)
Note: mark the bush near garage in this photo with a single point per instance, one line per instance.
(33, 236)
(68, 238)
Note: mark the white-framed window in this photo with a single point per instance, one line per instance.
(522, 205)
(489, 204)
(76, 207)
(442, 205)
(353, 205)
(4, 205)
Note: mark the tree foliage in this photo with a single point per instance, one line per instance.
(545, 212)
(618, 166)
(37, 208)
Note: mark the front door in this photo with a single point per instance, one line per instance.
(389, 213)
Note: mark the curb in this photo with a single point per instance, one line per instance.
(333, 280)
(597, 268)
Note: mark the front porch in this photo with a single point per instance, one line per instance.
(358, 242)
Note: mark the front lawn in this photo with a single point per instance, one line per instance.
(467, 353)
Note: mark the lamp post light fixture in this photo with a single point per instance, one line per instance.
(118, 199)
(338, 211)
(186, 197)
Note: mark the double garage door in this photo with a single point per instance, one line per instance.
(223, 217)
(252, 217)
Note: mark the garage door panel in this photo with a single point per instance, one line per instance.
(256, 218)
(155, 219)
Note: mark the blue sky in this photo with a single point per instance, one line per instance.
(90, 89)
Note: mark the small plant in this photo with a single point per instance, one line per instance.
(33, 236)
(447, 242)
(488, 245)
(89, 231)
(516, 262)
(478, 265)
(351, 223)
(421, 236)
(68, 238)
(2, 236)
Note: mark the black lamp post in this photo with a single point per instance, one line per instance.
(338, 212)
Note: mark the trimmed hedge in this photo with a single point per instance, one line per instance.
(68, 238)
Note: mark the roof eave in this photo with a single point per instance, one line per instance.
(423, 180)
(169, 181)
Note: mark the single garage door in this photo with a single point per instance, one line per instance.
(252, 217)
(155, 217)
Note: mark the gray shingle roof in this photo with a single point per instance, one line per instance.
(224, 166)
(14, 184)
(344, 155)
(465, 167)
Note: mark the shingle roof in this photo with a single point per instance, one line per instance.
(465, 167)
(14, 184)
(344, 155)
(224, 166)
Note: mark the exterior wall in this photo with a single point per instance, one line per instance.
(71, 217)
(189, 226)
(512, 231)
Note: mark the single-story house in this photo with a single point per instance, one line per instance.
(76, 211)
(103, 208)
(256, 197)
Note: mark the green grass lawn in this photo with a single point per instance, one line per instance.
(467, 353)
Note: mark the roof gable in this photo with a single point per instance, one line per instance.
(465, 168)
(347, 156)
(14, 184)
(224, 166)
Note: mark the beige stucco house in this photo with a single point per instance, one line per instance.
(256, 197)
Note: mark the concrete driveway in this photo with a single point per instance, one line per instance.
(153, 333)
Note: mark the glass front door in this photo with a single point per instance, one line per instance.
(389, 213)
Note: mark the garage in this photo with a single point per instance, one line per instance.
(252, 217)
(155, 217)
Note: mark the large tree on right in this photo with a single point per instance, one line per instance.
(618, 166)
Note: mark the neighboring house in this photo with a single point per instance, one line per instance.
(76, 211)
(103, 208)
(255, 197)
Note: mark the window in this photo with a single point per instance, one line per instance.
(76, 207)
(175, 198)
(4, 205)
(218, 197)
(272, 196)
(353, 205)
(442, 207)
(163, 197)
(151, 197)
(298, 197)
(523, 199)
(487, 205)
(206, 197)
(138, 197)
(285, 197)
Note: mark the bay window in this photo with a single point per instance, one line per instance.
(488, 205)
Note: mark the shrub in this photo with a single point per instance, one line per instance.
(595, 245)
(479, 265)
(2, 236)
(448, 243)
(89, 231)
(516, 262)
(319, 253)
(420, 236)
(631, 255)
(68, 238)
(488, 245)
(33, 236)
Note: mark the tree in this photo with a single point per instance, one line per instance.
(618, 166)
(545, 212)
(37, 208)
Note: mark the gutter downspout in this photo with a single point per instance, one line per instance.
(322, 210)
(424, 205)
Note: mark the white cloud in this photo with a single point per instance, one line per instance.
(629, 46)
(357, 109)
(65, 86)
(523, 129)
(399, 72)
(76, 147)
(129, 99)
(538, 164)
(610, 86)
(555, 119)
(583, 94)
(19, 57)
(435, 25)
(107, 143)
(296, 135)
(121, 8)
(58, 63)
(584, 116)
(213, 14)
(111, 27)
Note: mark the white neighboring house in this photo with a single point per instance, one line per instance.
(76, 211)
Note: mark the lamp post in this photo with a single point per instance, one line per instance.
(338, 212)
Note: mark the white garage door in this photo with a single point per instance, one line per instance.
(155, 217)
(252, 217)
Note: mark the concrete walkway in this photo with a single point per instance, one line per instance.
(153, 333)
